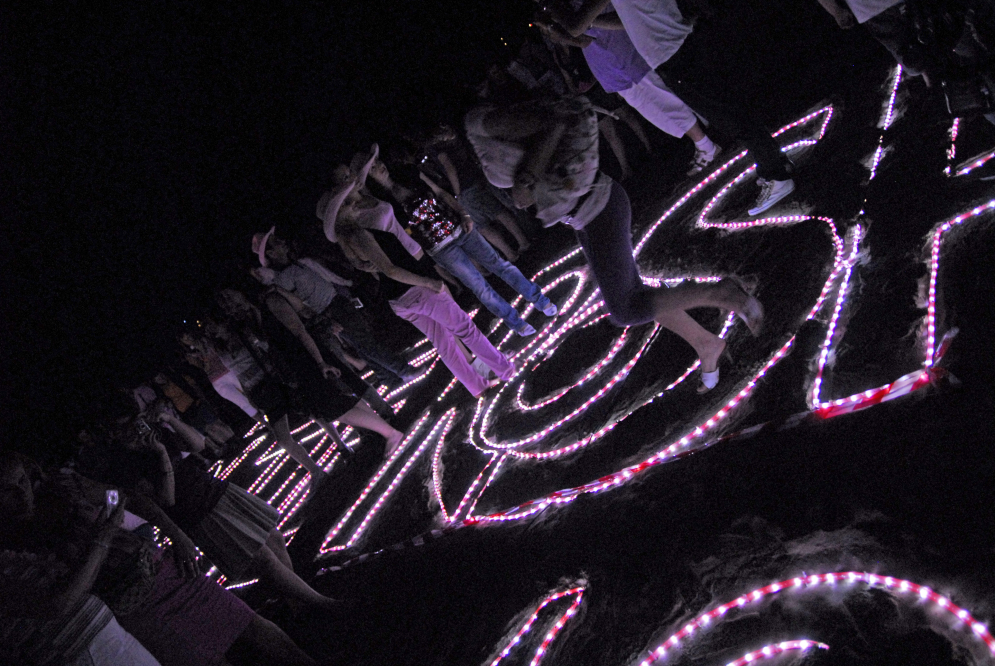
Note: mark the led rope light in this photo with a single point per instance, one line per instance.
(473, 503)
(445, 423)
(241, 457)
(437, 478)
(919, 378)
(572, 415)
(238, 586)
(373, 482)
(889, 114)
(776, 649)
(593, 372)
(420, 378)
(449, 387)
(952, 150)
(855, 238)
(420, 360)
(678, 448)
(886, 120)
(895, 586)
(979, 161)
(576, 592)
(826, 112)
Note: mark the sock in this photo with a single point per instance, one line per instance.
(705, 145)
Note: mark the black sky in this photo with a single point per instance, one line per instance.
(145, 143)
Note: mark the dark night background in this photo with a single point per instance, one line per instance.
(143, 145)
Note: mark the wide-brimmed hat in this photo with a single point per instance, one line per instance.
(259, 245)
(323, 213)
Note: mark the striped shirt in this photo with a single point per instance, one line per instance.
(39, 641)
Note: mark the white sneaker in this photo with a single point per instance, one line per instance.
(771, 191)
(550, 310)
(702, 158)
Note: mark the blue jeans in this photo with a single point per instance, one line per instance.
(456, 258)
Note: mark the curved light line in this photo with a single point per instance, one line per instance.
(708, 620)
(576, 592)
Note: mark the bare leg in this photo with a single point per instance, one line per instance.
(333, 435)
(695, 133)
(363, 416)
(270, 569)
(631, 119)
(276, 544)
(671, 307)
(607, 126)
(268, 644)
(509, 223)
(495, 238)
(295, 450)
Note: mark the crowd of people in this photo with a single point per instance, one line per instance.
(83, 578)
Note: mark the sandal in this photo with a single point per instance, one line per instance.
(710, 380)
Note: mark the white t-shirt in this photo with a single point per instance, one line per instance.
(868, 9)
(657, 27)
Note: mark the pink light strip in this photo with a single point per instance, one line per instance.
(935, 269)
(679, 448)
(420, 378)
(712, 177)
(981, 160)
(591, 374)
(918, 379)
(572, 415)
(238, 586)
(952, 150)
(449, 387)
(770, 651)
(892, 585)
(886, 120)
(445, 423)
(473, 504)
(576, 592)
(855, 237)
(437, 477)
(369, 486)
(889, 115)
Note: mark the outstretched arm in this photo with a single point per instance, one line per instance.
(20, 600)
(287, 316)
(559, 35)
(364, 170)
(367, 250)
(576, 22)
(839, 11)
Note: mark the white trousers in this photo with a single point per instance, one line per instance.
(658, 104)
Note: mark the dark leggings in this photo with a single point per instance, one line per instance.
(607, 244)
(687, 75)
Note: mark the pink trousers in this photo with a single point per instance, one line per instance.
(442, 322)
